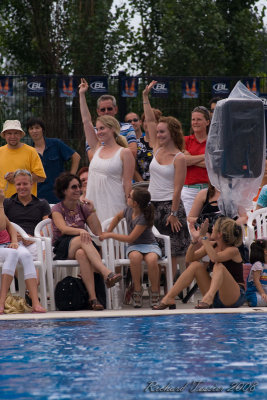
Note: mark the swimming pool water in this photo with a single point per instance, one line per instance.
(116, 358)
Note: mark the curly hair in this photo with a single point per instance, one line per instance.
(62, 183)
(176, 131)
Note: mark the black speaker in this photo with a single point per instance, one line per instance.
(238, 129)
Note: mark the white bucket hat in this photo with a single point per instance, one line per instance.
(12, 124)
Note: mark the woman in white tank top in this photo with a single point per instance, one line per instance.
(112, 166)
(167, 176)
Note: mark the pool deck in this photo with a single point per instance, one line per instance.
(128, 311)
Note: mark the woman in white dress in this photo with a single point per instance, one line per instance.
(112, 167)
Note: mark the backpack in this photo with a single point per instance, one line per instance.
(71, 294)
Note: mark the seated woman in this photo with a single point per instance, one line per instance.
(70, 238)
(11, 253)
(226, 286)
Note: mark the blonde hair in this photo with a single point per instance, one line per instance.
(16, 305)
(113, 124)
(231, 232)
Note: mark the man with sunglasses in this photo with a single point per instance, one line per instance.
(107, 105)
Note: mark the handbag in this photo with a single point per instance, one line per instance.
(71, 294)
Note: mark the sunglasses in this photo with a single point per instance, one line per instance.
(75, 187)
(132, 120)
(106, 108)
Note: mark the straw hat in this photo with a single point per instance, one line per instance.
(12, 124)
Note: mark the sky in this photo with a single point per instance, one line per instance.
(260, 4)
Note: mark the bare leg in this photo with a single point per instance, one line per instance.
(91, 253)
(174, 266)
(87, 273)
(32, 287)
(5, 285)
(153, 270)
(195, 270)
(136, 259)
(223, 281)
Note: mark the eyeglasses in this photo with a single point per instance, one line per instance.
(22, 172)
(106, 108)
(75, 187)
(132, 120)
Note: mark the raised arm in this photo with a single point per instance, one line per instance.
(149, 116)
(86, 116)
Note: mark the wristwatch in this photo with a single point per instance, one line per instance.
(174, 213)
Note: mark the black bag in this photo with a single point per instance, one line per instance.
(71, 294)
(212, 217)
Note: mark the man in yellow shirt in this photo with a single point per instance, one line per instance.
(16, 155)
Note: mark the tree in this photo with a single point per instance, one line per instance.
(197, 37)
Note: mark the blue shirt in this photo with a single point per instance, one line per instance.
(127, 131)
(262, 200)
(55, 154)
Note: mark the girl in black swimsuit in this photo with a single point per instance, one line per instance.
(226, 287)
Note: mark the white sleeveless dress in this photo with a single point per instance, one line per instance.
(104, 186)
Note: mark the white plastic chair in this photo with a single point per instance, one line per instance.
(39, 263)
(259, 227)
(114, 251)
(44, 231)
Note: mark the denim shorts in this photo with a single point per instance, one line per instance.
(144, 249)
(217, 303)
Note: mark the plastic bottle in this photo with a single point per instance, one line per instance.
(117, 297)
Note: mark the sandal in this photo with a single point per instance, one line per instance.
(201, 305)
(163, 306)
(95, 305)
(137, 298)
(112, 279)
(153, 298)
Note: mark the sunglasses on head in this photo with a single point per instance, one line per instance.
(132, 120)
(106, 108)
(75, 187)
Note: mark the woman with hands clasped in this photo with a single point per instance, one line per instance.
(167, 176)
(70, 238)
(10, 254)
(226, 286)
(112, 166)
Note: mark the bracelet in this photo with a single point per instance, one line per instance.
(94, 210)
(204, 238)
(145, 102)
(194, 242)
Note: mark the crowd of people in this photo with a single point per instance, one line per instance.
(171, 191)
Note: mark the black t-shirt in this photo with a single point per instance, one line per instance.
(26, 216)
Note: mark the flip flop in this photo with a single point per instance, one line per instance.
(202, 305)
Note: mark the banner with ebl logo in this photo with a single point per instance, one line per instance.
(67, 86)
(129, 87)
(6, 86)
(190, 89)
(98, 85)
(36, 86)
(161, 88)
(253, 84)
(220, 88)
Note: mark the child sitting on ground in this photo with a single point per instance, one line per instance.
(257, 280)
(139, 215)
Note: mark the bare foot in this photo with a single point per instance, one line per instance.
(2, 309)
(38, 309)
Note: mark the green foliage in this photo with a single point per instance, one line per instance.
(197, 37)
